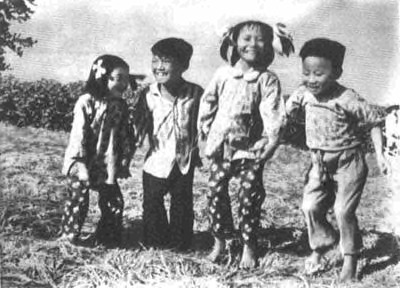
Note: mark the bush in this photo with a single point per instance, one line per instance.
(44, 103)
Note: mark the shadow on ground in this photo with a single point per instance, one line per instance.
(384, 252)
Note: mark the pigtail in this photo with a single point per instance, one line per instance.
(282, 40)
(227, 44)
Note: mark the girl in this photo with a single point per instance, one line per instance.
(99, 152)
(241, 115)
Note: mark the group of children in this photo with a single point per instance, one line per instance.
(241, 116)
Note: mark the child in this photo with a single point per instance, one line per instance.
(392, 154)
(334, 116)
(167, 112)
(99, 152)
(241, 115)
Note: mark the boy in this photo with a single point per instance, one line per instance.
(334, 115)
(167, 112)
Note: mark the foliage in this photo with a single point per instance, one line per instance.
(44, 103)
(13, 11)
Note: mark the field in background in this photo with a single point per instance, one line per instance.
(33, 193)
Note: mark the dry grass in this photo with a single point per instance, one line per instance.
(32, 196)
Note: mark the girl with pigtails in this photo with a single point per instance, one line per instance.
(241, 116)
(99, 152)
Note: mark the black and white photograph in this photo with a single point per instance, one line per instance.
(199, 143)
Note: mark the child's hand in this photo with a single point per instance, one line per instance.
(83, 173)
(260, 149)
(383, 164)
(264, 149)
(123, 171)
(202, 136)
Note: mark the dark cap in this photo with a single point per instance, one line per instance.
(325, 48)
(176, 48)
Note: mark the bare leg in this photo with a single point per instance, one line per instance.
(217, 250)
(349, 269)
(249, 258)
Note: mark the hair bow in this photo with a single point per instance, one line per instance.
(99, 69)
(283, 40)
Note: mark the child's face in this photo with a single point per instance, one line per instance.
(118, 81)
(318, 74)
(251, 44)
(166, 69)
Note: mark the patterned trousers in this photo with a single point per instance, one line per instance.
(179, 231)
(251, 197)
(111, 205)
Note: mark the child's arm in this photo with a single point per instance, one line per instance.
(367, 114)
(377, 140)
(142, 121)
(294, 106)
(294, 132)
(370, 116)
(272, 110)
(76, 153)
(127, 143)
(208, 107)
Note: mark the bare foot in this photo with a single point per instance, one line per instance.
(315, 257)
(349, 269)
(314, 263)
(218, 249)
(249, 258)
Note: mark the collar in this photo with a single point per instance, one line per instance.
(156, 91)
(250, 75)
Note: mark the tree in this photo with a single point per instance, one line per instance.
(13, 11)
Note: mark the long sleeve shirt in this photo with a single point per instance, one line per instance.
(236, 104)
(336, 122)
(170, 126)
(100, 140)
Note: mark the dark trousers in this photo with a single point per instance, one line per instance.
(251, 197)
(111, 205)
(179, 231)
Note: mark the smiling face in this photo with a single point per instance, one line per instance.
(118, 81)
(166, 70)
(251, 44)
(318, 75)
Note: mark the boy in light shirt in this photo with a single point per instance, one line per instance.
(167, 112)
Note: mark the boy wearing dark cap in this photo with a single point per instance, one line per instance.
(334, 116)
(167, 112)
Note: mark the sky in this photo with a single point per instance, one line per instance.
(72, 33)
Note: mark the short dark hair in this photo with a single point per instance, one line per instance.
(102, 66)
(176, 48)
(325, 48)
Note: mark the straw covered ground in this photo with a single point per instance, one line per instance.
(33, 192)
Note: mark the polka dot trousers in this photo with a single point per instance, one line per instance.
(111, 205)
(251, 197)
